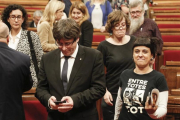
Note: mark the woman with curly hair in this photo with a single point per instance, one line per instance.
(15, 17)
(117, 55)
(52, 13)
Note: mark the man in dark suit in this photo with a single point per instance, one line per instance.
(15, 78)
(83, 83)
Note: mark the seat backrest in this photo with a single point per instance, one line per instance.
(171, 55)
(171, 38)
(34, 110)
(98, 38)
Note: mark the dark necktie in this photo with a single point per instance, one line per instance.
(64, 72)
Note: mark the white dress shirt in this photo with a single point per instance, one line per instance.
(14, 43)
(70, 62)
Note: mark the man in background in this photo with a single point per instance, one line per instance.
(36, 17)
(140, 26)
(15, 78)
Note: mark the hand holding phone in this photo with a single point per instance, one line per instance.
(57, 102)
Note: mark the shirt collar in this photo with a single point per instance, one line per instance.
(17, 36)
(35, 25)
(74, 54)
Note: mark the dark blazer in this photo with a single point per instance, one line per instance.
(86, 84)
(31, 24)
(15, 78)
(86, 34)
(67, 6)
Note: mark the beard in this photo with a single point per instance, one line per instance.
(135, 24)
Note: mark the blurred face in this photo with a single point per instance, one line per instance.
(119, 30)
(136, 12)
(16, 19)
(67, 46)
(142, 56)
(77, 15)
(36, 19)
(59, 14)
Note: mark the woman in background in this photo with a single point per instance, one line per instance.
(52, 13)
(79, 13)
(99, 11)
(117, 56)
(15, 17)
(136, 85)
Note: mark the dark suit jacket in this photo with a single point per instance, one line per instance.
(86, 34)
(31, 24)
(86, 84)
(67, 6)
(15, 78)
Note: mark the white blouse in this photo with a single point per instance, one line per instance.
(13, 43)
(97, 16)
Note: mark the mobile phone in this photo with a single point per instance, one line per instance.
(57, 102)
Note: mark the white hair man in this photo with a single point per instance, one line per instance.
(140, 26)
(36, 17)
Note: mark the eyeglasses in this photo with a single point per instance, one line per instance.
(122, 26)
(136, 12)
(13, 17)
(67, 44)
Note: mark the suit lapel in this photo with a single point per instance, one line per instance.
(57, 67)
(77, 64)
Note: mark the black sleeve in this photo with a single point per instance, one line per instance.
(162, 84)
(87, 33)
(28, 82)
(103, 51)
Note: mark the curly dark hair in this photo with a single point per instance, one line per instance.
(6, 12)
(114, 18)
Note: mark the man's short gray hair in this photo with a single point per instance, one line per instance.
(38, 13)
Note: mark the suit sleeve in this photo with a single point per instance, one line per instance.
(87, 31)
(42, 90)
(97, 87)
(28, 82)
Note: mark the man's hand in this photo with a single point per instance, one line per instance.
(52, 105)
(150, 108)
(108, 98)
(65, 107)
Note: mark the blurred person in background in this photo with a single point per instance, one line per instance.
(79, 13)
(140, 26)
(99, 11)
(52, 13)
(15, 17)
(36, 17)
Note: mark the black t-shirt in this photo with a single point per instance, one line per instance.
(135, 89)
(116, 58)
